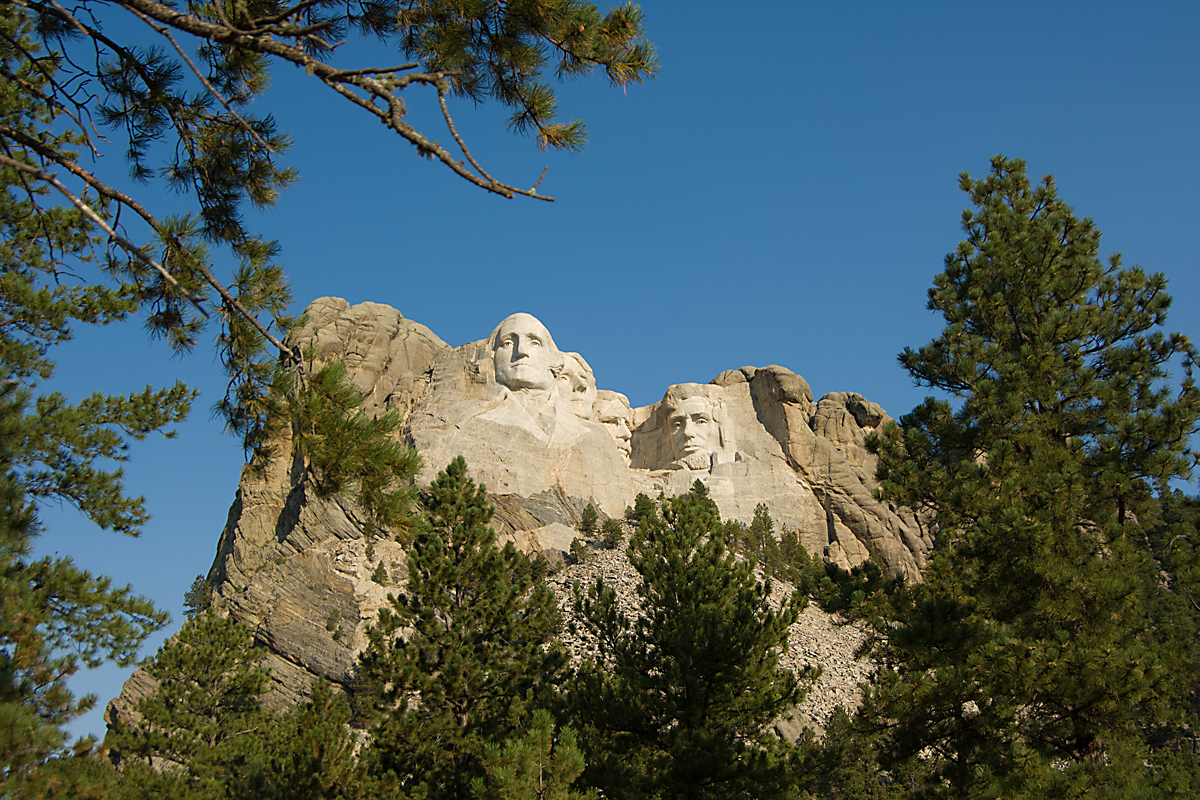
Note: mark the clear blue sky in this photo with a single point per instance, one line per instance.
(782, 193)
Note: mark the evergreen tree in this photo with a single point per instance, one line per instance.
(643, 507)
(342, 447)
(205, 722)
(1173, 539)
(611, 530)
(54, 619)
(844, 764)
(761, 528)
(1026, 662)
(679, 701)
(589, 520)
(308, 753)
(198, 598)
(534, 766)
(479, 658)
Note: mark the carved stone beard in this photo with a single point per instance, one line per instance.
(697, 460)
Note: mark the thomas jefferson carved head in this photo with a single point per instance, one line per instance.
(525, 356)
(577, 385)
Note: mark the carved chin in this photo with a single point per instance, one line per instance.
(697, 460)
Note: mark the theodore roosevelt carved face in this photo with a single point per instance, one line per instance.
(525, 355)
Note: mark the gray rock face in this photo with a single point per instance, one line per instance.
(534, 429)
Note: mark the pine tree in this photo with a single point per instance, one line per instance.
(205, 723)
(611, 532)
(643, 507)
(54, 619)
(1026, 661)
(762, 527)
(536, 765)
(589, 520)
(479, 658)
(1173, 539)
(844, 764)
(308, 753)
(678, 703)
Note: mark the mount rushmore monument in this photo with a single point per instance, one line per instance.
(534, 428)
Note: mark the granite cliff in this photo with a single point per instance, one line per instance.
(536, 430)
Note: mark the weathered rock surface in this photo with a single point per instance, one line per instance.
(294, 567)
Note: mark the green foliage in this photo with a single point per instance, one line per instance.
(791, 550)
(534, 766)
(611, 533)
(193, 733)
(480, 656)
(643, 507)
(54, 619)
(1173, 541)
(580, 552)
(307, 754)
(856, 593)
(380, 575)
(1024, 662)
(679, 702)
(844, 764)
(754, 539)
(588, 522)
(341, 446)
(198, 598)
(1055, 355)
(56, 447)
(461, 40)
(80, 776)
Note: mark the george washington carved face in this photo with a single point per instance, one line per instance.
(525, 355)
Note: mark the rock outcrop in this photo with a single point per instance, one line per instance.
(533, 428)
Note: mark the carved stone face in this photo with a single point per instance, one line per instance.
(524, 354)
(693, 432)
(612, 410)
(577, 385)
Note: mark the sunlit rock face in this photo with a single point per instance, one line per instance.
(534, 429)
